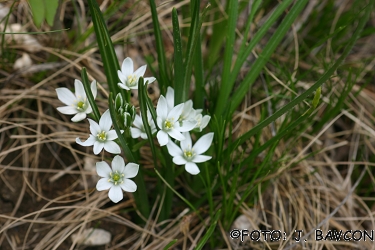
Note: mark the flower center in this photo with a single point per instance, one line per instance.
(116, 178)
(189, 154)
(168, 124)
(132, 80)
(102, 136)
(81, 105)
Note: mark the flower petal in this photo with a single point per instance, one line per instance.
(112, 147)
(127, 67)
(131, 170)
(187, 126)
(203, 143)
(89, 142)
(94, 88)
(94, 127)
(79, 117)
(103, 184)
(105, 121)
(111, 135)
(162, 108)
(192, 168)
(103, 169)
(150, 79)
(186, 144)
(176, 112)
(118, 164)
(173, 149)
(138, 121)
(128, 186)
(115, 194)
(67, 110)
(144, 136)
(179, 160)
(66, 96)
(174, 133)
(201, 158)
(170, 98)
(140, 71)
(79, 90)
(98, 147)
(163, 138)
(135, 132)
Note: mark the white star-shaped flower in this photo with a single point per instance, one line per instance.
(129, 78)
(117, 178)
(139, 130)
(78, 103)
(101, 135)
(168, 122)
(188, 154)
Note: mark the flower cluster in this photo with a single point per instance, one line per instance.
(173, 124)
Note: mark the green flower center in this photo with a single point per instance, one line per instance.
(189, 154)
(116, 178)
(168, 124)
(132, 80)
(81, 105)
(102, 136)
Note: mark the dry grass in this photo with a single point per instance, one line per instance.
(47, 188)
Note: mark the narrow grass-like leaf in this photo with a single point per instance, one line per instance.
(170, 244)
(179, 70)
(164, 80)
(227, 87)
(107, 50)
(142, 93)
(199, 76)
(303, 96)
(209, 232)
(90, 97)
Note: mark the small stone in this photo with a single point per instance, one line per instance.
(92, 237)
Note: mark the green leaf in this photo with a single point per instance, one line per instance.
(38, 10)
(179, 70)
(209, 232)
(51, 8)
(90, 97)
(170, 244)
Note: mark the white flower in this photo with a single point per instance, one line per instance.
(101, 135)
(77, 104)
(139, 130)
(202, 121)
(129, 78)
(116, 178)
(188, 154)
(168, 122)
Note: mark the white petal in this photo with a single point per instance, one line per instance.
(203, 143)
(174, 133)
(66, 96)
(103, 184)
(67, 110)
(138, 121)
(79, 89)
(88, 109)
(179, 160)
(162, 108)
(205, 121)
(123, 86)
(79, 117)
(135, 132)
(186, 144)
(192, 168)
(163, 138)
(105, 121)
(94, 127)
(89, 142)
(159, 122)
(103, 169)
(127, 67)
(129, 186)
(144, 136)
(187, 126)
(201, 158)
(173, 149)
(150, 79)
(176, 112)
(118, 164)
(98, 147)
(131, 170)
(94, 88)
(170, 98)
(115, 194)
(111, 135)
(140, 71)
(112, 147)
